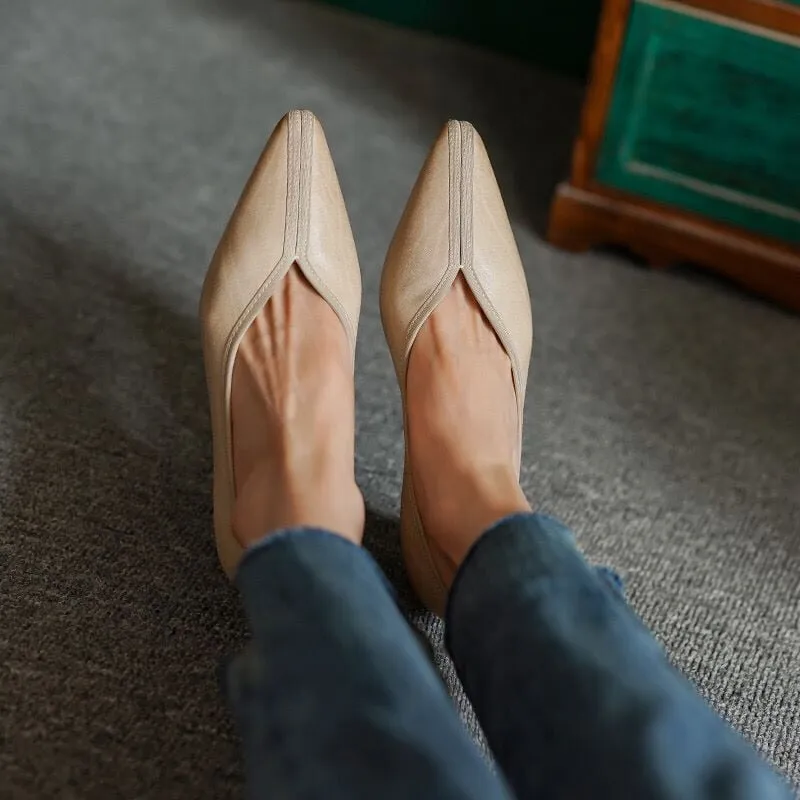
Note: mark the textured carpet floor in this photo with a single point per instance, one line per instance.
(663, 417)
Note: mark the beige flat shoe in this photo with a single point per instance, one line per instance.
(291, 212)
(455, 221)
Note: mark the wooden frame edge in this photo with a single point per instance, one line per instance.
(583, 218)
(607, 52)
(775, 16)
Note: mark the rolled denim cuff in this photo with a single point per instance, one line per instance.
(515, 556)
(306, 568)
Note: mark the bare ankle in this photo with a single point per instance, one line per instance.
(273, 497)
(474, 501)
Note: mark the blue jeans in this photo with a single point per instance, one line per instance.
(335, 697)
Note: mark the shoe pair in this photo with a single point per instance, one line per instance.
(292, 212)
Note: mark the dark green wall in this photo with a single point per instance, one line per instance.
(557, 34)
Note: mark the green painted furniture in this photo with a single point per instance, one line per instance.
(689, 148)
(705, 116)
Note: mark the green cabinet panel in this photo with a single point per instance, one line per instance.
(705, 116)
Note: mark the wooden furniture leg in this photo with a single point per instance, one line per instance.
(582, 218)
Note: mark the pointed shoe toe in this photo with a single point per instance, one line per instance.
(455, 223)
(291, 212)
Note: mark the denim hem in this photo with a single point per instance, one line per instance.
(281, 535)
(477, 546)
(519, 521)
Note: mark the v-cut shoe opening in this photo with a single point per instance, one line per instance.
(458, 288)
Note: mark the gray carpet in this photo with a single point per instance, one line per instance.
(662, 424)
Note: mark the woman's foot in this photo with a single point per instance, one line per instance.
(292, 412)
(462, 428)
